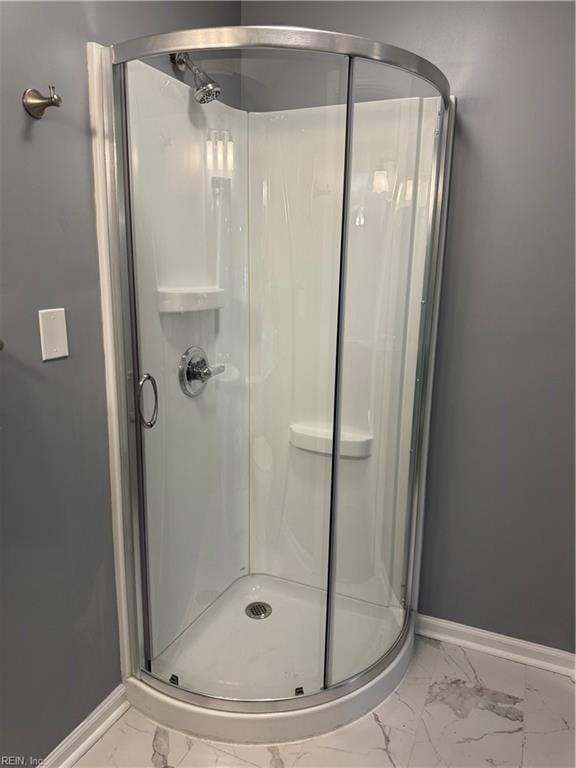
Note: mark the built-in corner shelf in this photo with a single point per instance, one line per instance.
(190, 299)
(353, 445)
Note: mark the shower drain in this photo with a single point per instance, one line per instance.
(258, 610)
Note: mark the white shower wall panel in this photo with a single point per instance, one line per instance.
(296, 189)
(189, 205)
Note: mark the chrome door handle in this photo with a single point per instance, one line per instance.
(153, 419)
(194, 371)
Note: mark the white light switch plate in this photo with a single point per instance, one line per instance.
(53, 334)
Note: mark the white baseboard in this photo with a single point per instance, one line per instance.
(511, 648)
(79, 741)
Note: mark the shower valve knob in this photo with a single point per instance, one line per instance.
(194, 371)
(201, 371)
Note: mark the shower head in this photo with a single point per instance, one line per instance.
(205, 89)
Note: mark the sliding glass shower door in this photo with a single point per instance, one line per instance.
(236, 229)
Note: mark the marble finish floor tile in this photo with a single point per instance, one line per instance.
(480, 669)
(473, 714)
(136, 742)
(454, 709)
(548, 721)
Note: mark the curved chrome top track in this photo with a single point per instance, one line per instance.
(295, 38)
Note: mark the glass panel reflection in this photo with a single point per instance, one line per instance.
(394, 131)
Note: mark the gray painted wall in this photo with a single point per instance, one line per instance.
(59, 657)
(499, 532)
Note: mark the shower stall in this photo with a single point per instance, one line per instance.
(273, 205)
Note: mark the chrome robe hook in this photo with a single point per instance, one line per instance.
(35, 103)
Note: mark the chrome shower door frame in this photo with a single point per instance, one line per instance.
(132, 526)
(292, 38)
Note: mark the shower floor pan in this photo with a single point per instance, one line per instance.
(226, 652)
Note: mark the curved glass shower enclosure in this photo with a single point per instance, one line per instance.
(282, 190)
